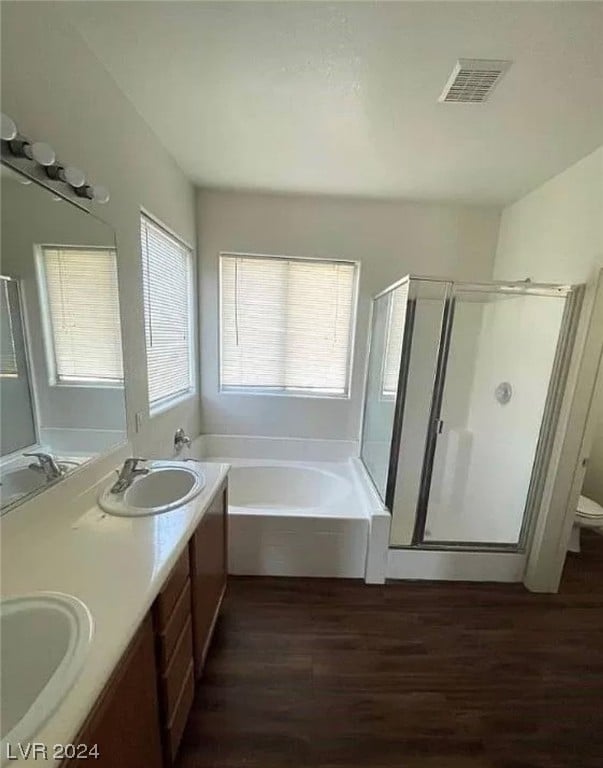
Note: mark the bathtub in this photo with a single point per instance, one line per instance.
(291, 488)
(295, 519)
(291, 516)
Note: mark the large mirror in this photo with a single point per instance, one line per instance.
(61, 367)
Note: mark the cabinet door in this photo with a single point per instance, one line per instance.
(209, 568)
(125, 721)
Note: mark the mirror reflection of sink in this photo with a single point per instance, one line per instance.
(45, 639)
(19, 482)
(167, 485)
(23, 480)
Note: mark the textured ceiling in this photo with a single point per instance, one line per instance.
(342, 97)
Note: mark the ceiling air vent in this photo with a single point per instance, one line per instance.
(473, 80)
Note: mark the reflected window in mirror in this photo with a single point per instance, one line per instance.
(8, 356)
(82, 327)
(60, 329)
(17, 428)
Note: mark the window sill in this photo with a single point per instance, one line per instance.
(171, 402)
(305, 394)
(86, 385)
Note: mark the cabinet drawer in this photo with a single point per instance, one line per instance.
(168, 638)
(176, 725)
(173, 678)
(168, 597)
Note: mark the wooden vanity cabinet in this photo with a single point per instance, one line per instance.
(140, 717)
(172, 618)
(209, 570)
(124, 724)
(184, 616)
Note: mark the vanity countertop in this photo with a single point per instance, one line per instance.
(115, 565)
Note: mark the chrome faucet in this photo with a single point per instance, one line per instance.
(181, 440)
(46, 464)
(127, 474)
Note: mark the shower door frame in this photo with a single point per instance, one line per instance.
(573, 295)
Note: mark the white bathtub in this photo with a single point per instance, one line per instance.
(295, 519)
(298, 508)
(291, 488)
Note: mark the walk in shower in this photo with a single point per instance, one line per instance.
(463, 391)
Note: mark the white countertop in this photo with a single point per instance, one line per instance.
(115, 565)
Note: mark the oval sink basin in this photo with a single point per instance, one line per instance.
(168, 485)
(45, 639)
(19, 482)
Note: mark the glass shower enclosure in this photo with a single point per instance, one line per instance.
(463, 390)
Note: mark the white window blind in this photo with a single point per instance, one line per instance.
(8, 356)
(168, 312)
(398, 300)
(286, 324)
(83, 306)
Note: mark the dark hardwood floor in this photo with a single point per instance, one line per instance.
(337, 674)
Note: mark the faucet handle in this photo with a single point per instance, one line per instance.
(181, 439)
(133, 462)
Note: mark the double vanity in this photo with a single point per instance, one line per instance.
(109, 605)
(111, 585)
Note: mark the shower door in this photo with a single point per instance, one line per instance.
(463, 392)
(389, 321)
(495, 383)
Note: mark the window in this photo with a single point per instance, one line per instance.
(83, 332)
(168, 314)
(8, 355)
(286, 325)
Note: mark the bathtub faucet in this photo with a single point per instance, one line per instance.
(181, 440)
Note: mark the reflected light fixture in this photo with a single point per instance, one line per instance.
(44, 155)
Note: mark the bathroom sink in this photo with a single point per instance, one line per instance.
(45, 639)
(19, 482)
(168, 484)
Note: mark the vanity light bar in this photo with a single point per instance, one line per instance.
(44, 155)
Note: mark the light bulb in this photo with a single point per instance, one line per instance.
(73, 176)
(99, 194)
(8, 129)
(40, 152)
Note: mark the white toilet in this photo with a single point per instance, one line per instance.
(589, 514)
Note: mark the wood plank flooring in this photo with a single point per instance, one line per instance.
(312, 673)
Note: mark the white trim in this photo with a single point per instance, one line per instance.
(573, 439)
(282, 392)
(455, 566)
(172, 232)
(163, 405)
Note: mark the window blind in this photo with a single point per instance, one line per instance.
(167, 284)
(398, 300)
(83, 305)
(8, 357)
(286, 324)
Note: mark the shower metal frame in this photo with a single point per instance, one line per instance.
(569, 323)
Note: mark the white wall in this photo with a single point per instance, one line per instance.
(555, 234)
(57, 91)
(390, 239)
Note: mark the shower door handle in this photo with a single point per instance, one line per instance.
(439, 425)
